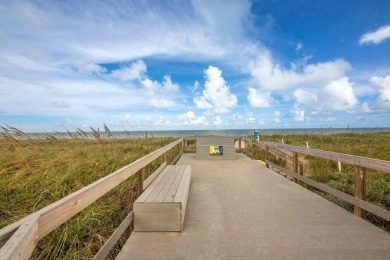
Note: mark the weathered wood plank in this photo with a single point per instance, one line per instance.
(360, 189)
(23, 241)
(175, 185)
(339, 194)
(266, 155)
(156, 207)
(154, 175)
(182, 194)
(177, 157)
(158, 217)
(157, 226)
(57, 213)
(365, 162)
(140, 180)
(295, 165)
(110, 243)
(160, 185)
(277, 152)
(167, 186)
(149, 190)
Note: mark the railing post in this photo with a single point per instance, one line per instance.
(266, 155)
(360, 188)
(301, 169)
(140, 177)
(171, 156)
(295, 164)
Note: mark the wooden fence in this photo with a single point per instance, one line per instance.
(360, 163)
(18, 240)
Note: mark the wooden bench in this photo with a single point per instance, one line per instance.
(206, 145)
(162, 206)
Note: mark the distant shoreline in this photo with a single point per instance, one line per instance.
(227, 132)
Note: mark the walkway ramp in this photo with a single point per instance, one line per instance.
(241, 209)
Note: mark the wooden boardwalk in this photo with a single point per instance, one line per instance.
(241, 209)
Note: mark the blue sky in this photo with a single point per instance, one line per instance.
(171, 65)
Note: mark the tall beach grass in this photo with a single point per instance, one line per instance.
(37, 172)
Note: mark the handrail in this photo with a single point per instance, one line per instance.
(59, 212)
(339, 194)
(23, 241)
(276, 152)
(370, 163)
(360, 163)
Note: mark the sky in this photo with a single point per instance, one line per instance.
(199, 64)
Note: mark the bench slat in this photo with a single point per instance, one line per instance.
(151, 187)
(167, 186)
(160, 186)
(170, 196)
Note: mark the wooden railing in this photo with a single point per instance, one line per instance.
(18, 240)
(360, 163)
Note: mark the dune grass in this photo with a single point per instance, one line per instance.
(36, 173)
(372, 145)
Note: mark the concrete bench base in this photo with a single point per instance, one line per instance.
(162, 206)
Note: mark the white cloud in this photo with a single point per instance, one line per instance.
(259, 99)
(383, 100)
(269, 76)
(161, 102)
(112, 31)
(305, 97)
(338, 95)
(216, 95)
(217, 120)
(195, 87)
(297, 113)
(190, 119)
(376, 37)
(298, 46)
(334, 96)
(276, 118)
(365, 108)
(93, 68)
(135, 71)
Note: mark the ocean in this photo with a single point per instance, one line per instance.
(228, 132)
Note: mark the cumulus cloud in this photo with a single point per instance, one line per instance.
(216, 95)
(259, 98)
(276, 118)
(383, 100)
(160, 95)
(334, 96)
(190, 119)
(217, 120)
(167, 86)
(161, 102)
(270, 76)
(135, 71)
(338, 95)
(376, 37)
(297, 113)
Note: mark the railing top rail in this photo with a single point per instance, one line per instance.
(365, 162)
